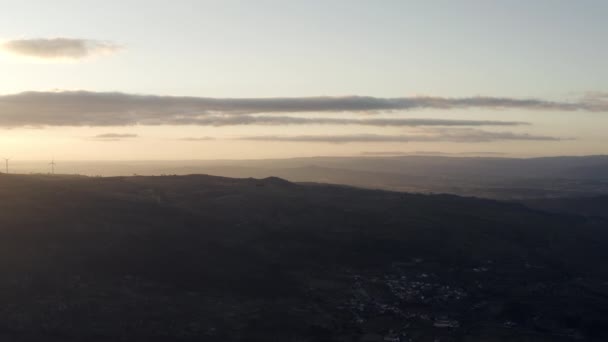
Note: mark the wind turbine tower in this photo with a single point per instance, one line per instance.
(6, 164)
(52, 163)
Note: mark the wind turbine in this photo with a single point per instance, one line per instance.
(52, 163)
(6, 163)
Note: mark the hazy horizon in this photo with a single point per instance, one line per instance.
(362, 155)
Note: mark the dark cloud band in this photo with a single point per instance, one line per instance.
(82, 108)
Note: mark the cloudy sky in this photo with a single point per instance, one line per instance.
(259, 79)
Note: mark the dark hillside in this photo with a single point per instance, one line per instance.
(191, 258)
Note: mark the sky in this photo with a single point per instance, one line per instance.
(154, 80)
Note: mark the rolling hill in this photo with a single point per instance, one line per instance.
(197, 257)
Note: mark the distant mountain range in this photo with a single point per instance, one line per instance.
(501, 178)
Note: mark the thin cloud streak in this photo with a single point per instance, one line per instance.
(113, 136)
(116, 135)
(429, 153)
(197, 139)
(461, 136)
(83, 108)
(59, 48)
(238, 120)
